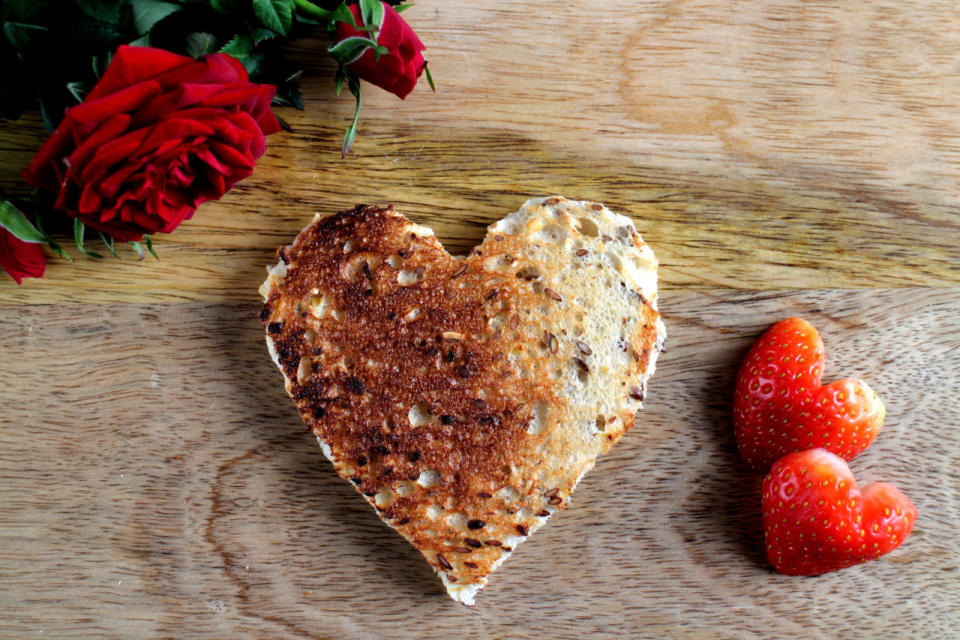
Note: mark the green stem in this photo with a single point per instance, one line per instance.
(312, 10)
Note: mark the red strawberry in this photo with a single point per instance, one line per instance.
(779, 406)
(816, 520)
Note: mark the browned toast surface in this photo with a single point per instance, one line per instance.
(449, 391)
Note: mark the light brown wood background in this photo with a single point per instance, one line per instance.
(781, 157)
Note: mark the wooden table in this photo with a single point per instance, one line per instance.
(782, 157)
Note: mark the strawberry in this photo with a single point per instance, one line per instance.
(816, 520)
(779, 406)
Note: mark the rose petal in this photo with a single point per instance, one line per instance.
(165, 104)
(131, 65)
(213, 69)
(84, 118)
(101, 152)
(21, 259)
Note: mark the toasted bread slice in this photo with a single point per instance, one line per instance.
(466, 397)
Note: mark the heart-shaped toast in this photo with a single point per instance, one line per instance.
(466, 397)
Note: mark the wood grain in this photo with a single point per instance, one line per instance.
(784, 144)
(782, 157)
(164, 486)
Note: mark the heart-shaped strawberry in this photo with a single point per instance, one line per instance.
(816, 519)
(466, 397)
(779, 406)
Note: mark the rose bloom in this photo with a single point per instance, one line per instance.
(396, 71)
(21, 259)
(157, 136)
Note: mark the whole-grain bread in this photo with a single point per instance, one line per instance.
(465, 397)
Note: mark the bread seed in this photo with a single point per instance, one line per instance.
(462, 269)
(553, 295)
(553, 343)
(583, 365)
(636, 393)
(452, 336)
(477, 524)
(476, 544)
(444, 562)
(522, 530)
(582, 252)
(584, 348)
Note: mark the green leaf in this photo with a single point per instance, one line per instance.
(339, 78)
(27, 11)
(238, 46)
(21, 35)
(108, 12)
(426, 70)
(147, 13)
(342, 14)
(310, 13)
(262, 34)
(350, 49)
(78, 229)
(101, 62)
(350, 135)
(400, 8)
(95, 35)
(372, 13)
(108, 242)
(13, 220)
(276, 15)
(149, 242)
(50, 121)
(78, 90)
(142, 41)
(139, 249)
(288, 96)
(241, 48)
(224, 7)
(53, 245)
(284, 124)
(199, 43)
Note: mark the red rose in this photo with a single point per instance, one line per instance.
(396, 71)
(158, 135)
(21, 259)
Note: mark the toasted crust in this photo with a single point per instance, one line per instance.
(465, 398)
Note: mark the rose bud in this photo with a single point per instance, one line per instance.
(157, 136)
(21, 259)
(398, 69)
